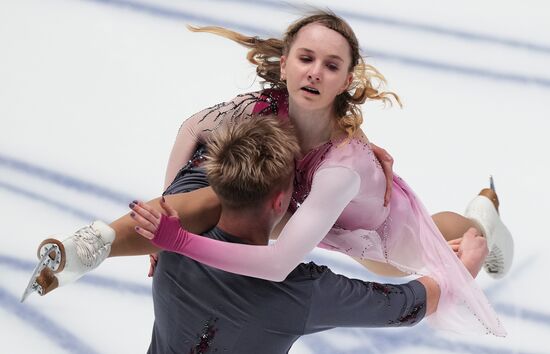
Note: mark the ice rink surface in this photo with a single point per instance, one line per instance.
(92, 93)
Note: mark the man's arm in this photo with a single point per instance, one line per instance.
(433, 292)
(338, 301)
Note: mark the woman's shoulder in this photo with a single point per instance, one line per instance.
(272, 102)
(353, 152)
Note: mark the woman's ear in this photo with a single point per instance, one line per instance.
(349, 80)
(283, 68)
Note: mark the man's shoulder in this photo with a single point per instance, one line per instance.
(309, 271)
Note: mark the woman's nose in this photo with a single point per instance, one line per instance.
(313, 77)
(314, 74)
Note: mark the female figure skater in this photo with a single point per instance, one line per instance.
(319, 83)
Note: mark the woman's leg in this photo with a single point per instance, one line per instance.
(468, 235)
(382, 269)
(451, 225)
(199, 211)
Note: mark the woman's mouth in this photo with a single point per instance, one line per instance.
(311, 90)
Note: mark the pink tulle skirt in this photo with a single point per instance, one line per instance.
(410, 241)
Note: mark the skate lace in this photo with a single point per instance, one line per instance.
(494, 263)
(90, 247)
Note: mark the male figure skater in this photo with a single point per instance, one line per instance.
(200, 309)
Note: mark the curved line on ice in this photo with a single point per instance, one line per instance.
(60, 335)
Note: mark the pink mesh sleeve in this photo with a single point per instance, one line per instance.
(331, 191)
(198, 127)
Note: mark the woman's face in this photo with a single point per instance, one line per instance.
(317, 67)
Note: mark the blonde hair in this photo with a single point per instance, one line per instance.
(266, 55)
(250, 160)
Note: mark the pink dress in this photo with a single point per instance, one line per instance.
(338, 205)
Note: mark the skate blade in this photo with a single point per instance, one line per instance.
(492, 183)
(45, 261)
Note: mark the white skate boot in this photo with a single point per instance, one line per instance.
(64, 262)
(483, 209)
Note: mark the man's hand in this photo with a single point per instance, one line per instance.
(153, 259)
(386, 161)
(471, 249)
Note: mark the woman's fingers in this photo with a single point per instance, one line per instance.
(144, 218)
(144, 233)
(167, 208)
(154, 213)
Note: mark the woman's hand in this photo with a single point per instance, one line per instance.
(148, 218)
(386, 161)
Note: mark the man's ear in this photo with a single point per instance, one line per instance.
(277, 202)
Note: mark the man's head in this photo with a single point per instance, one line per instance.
(252, 162)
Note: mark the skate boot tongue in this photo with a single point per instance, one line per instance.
(85, 250)
(92, 246)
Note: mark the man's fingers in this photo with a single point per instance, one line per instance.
(455, 241)
(471, 233)
(387, 195)
(386, 160)
(153, 258)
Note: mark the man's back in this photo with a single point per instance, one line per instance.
(200, 309)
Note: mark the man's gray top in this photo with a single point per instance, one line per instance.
(200, 309)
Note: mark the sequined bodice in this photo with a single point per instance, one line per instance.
(366, 210)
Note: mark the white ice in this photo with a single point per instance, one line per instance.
(92, 93)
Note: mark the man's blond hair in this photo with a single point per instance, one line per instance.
(251, 160)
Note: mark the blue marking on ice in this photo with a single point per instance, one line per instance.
(88, 279)
(53, 203)
(473, 72)
(49, 328)
(415, 26)
(64, 180)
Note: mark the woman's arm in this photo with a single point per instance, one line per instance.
(332, 190)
